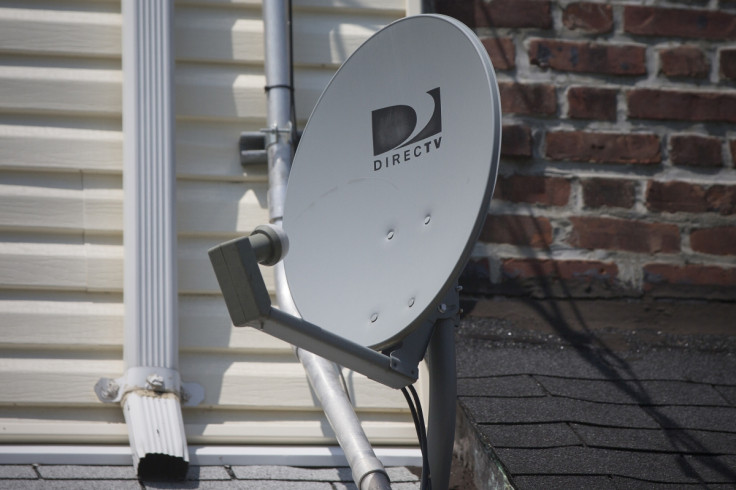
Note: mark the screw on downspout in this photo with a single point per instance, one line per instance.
(155, 382)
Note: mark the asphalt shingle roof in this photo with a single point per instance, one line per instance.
(572, 404)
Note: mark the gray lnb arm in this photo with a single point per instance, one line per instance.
(236, 266)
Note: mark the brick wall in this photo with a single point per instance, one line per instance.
(618, 159)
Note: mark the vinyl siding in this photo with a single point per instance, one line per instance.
(61, 201)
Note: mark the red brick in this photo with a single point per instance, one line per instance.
(586, 57)
(618, 148)
(517, 230)
(645, 103)
(619, 234)
(533, 189)
(563, 269)
(501, 51)
(692, 280)
(615, 193)
(594, 18)
(696, 151)
(537, 98)
(732, 145)
(684, 61)
(690, 198)
(690, 274)
(592, 103)
(513, 13)
(462, 10)
(669, 22)
(675, 196)
(498, 13)
(721, 199)
(476, 277)
(717, 241)
(727, 60)
(516, 141)
(561, 278)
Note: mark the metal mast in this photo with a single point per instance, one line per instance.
(324, 376)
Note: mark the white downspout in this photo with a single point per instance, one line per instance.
(151, 350)
(150, 390)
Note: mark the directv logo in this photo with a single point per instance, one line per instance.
(393, 128)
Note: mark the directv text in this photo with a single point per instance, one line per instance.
(407, 155)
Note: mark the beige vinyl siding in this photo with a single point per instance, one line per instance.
(61, 254)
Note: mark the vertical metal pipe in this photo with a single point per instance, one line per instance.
(442, 401)
(278, 89)
(368, 472)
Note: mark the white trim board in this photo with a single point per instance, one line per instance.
(310, 456)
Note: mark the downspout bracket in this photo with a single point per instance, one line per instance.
(156, 381)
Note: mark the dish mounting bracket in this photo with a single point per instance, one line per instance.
(236, 265)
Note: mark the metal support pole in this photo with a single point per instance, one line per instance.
(442, 401)
(368, 472)
(324, 377)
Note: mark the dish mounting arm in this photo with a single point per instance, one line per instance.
(236, 266)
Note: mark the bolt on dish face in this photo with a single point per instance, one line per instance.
(392, 180)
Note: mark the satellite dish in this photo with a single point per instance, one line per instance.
(392, 180)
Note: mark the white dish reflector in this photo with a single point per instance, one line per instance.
(392, 180)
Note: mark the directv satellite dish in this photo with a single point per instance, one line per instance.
(389, 189)
(388, 192)
(392, 180)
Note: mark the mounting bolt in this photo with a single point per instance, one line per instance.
(442, 308)
(458, 288)
(155, 382)
(374, 317)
